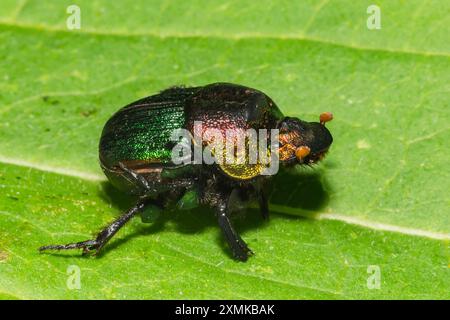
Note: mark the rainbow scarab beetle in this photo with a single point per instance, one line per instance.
(136, 153)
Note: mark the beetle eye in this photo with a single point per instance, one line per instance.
(302, 152)
(284, 127)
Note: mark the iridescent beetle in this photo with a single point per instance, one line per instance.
(136, 148)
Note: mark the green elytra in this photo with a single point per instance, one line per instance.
(142, 130)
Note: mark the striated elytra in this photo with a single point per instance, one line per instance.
(137, 149)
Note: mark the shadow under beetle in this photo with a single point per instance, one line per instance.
(136, 153)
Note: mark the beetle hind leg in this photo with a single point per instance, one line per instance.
(95, 245)
(87, 246)
(136, 177)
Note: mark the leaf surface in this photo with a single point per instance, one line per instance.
(380, 198)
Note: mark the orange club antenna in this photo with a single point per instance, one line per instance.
(325, 117)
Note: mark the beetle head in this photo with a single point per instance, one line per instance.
(304, 142)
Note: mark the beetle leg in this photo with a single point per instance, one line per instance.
(147, 186)
(263, 204)
(144, 184)
(95, 245)
(263, 201)
(238, 246)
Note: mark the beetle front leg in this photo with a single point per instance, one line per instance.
(238, 246)
(95, 245)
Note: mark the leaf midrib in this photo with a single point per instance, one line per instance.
(235, 37)
(371, 225)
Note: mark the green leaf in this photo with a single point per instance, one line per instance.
(379, 201)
